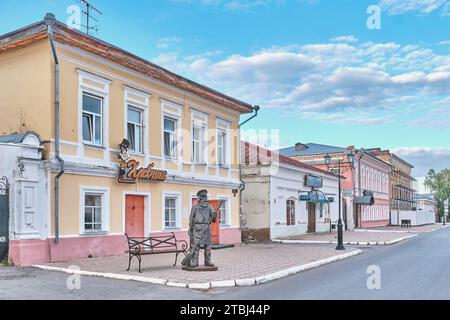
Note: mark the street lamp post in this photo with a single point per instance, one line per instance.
(351, 157)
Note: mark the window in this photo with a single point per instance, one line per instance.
(223, 213)
(169, 137)
(197, 144)
(290, 212)
(221, 148)
(93, 212)
(134, 129)
(92, 119)
(170, 212)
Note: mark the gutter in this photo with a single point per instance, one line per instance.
(359, 186)
(242, 188)
(50, 20)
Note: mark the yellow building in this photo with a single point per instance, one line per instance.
(184, 136)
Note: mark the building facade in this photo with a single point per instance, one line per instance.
(279, 200)
(131, 147)
(403, 188)
(365, 189)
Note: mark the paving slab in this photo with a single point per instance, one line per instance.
(242, 265)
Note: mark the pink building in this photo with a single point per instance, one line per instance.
(365, 189)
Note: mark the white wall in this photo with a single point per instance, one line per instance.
(285, 183)
(417, 218)
(29, 200)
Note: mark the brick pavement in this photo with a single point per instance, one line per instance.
(245, 261)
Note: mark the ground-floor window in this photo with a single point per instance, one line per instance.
(171, 210)
(290, 212)
(94, 211)
(223, 212)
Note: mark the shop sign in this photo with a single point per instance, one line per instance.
(131, 171)
(313, 182)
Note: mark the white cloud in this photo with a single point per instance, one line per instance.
(425, 158)
(362, 83)
(164, 43)
(399, 7)
(345, 39)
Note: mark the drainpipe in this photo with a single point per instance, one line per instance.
(242, 188)
(50, 20)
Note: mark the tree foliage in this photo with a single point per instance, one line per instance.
(439, 184)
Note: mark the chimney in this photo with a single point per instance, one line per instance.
(49, 17)
(300, 147)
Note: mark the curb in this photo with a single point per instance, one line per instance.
(360, 243)
(212, 284)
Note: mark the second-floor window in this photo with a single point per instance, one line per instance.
(221, 148)
(169, 137)
(92, 119)
(134, 129)
(197, 144)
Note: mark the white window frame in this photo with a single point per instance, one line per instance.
(93, 117)
(104, 192)
(142, 105)
(174, 137)
(172, 110)
(223, 127)
(179, 203)
(228, 211)
(91, 84)
(201, 143)
(138, 130)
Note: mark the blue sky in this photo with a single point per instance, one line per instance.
(319, 74)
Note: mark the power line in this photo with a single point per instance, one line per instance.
(88, 11)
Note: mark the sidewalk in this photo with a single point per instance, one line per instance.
(350, 238)
(240, 266)
(416, 229)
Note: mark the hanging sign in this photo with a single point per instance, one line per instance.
(131, 171)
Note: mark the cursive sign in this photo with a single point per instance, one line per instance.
(130, 170)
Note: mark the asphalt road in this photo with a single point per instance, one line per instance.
(415, 269)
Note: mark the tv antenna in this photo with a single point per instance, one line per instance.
(88, 10)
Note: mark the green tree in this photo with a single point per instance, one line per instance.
(439, 184)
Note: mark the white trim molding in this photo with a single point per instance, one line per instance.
(105, 194)
(179, 204)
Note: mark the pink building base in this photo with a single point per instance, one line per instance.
(30, 252)
(374, 224)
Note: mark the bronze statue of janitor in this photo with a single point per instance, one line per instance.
(202, 215)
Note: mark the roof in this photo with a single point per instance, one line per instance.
(311, 149)
(379, 152)
(18, 138)
(260, 155)
(63, 34)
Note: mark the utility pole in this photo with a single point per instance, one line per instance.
(88, 10)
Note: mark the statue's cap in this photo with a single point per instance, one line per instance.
(202, 193)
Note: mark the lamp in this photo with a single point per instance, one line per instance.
(351, 157)
(327, 159)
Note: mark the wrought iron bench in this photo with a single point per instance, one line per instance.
(139, 246)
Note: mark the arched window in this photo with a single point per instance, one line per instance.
(290, 212)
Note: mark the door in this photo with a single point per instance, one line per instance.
(4, 218)
(134, 216)
(311, 217)
(215, 227)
